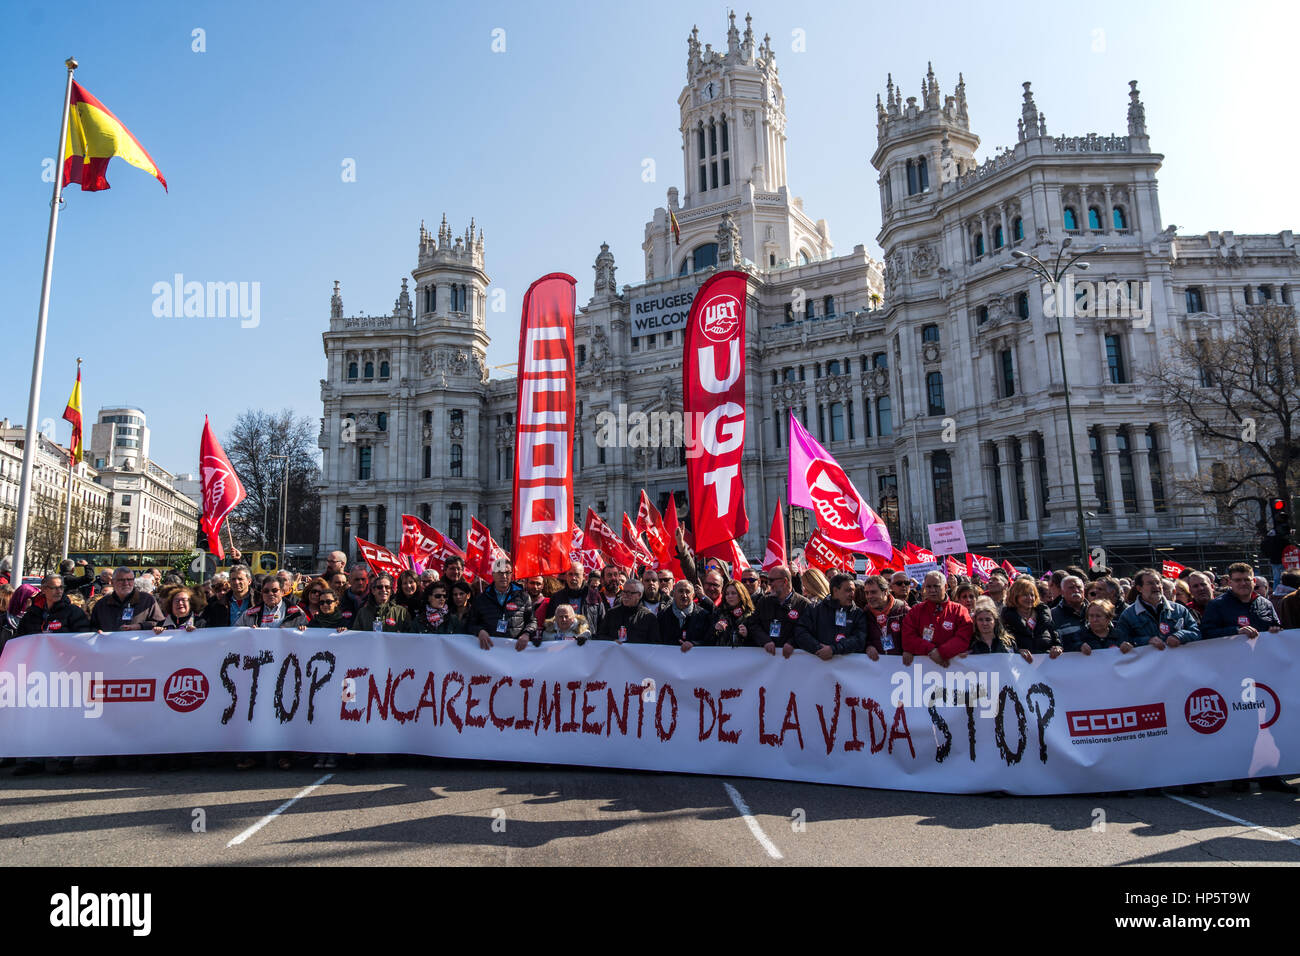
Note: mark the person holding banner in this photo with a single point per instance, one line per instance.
(1100, 631)
(358, 591)
(834, 625)
(1240, 611)
(56, 615)
(1028, 620)
(629, 622)
(778, 612)
(275, 611)
(683, 621)
(127, 608)
(990, 637)
(383, 612)
(885, 615)
(1068, 617)
(504, 609)
(1153, 620)
(566, 625)
(461, 617)
(182, 610)
(734, 620)
(937, 628)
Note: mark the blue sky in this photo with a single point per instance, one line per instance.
(543, 144)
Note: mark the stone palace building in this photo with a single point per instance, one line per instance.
(933, 377)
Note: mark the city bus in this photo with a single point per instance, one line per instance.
(261, 562)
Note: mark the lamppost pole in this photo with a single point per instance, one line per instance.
(284, 511)
(1052, 276)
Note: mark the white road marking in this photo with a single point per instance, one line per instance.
(754, 828)
(276, 812)
(1229, 816)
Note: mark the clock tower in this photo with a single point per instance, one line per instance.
(733, 165)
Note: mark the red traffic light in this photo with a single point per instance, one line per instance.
(1279, 504)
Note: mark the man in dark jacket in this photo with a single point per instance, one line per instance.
(683, 621)
(885, 616)
(504, 608)
(358, 592)
(601, 600)
(1201, 586)
(1239, 611)
(778, 612)
(58, 616)
(1068, 617)
(126, 609)
(235, 602)
(835, 625)
(629, 621)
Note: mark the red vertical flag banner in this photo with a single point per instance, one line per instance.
(222, 490)
(598, 536)
(632, 539)
(543, 490)
(775, 556)
(713, 403)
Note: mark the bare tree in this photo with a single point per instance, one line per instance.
(1236, 388)
(255, 436)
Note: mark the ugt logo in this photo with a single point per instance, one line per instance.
(1206, 710)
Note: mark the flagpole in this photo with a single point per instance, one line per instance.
(38, 359)
(67, 515)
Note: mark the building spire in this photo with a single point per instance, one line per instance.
(1137, 114)
(1028, 123)
(930, 93)
(336, 302)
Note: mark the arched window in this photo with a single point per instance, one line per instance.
(1071, 220)
(703, 257)
(941, 480)
(1118, 218)
(833, 367)
(352, 371)
(457, 460)
(1094, 218)
(979, 244)
(382, 421)
(981, 315)
(383, 370)
(370, 370)
(930, 333)
(1017, 229)
(923, 170)
(1022, 305)
(997, 237)
(934, 392)
(913, 178)
(804, 258)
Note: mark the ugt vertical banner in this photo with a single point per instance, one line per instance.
(543, 525)
(713, 405)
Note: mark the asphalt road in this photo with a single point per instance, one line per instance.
(470, 813)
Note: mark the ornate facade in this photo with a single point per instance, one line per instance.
(934, 377)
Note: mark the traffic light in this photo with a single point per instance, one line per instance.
(1277, 508)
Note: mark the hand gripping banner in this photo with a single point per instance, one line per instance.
(543, 489)
(713, 405)
(1213, 710)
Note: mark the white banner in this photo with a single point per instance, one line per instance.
(1212, 710)
(947, 537)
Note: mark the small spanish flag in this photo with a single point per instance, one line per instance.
(72, 415)
(95, 136)
(677, 230)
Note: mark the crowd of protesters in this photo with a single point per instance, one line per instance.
(777, 611)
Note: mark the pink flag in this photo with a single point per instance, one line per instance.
(818, 483)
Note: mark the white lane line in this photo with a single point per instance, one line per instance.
(276, 812)
(743, 809)
(1229, 816)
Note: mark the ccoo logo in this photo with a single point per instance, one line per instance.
(186, 690)
(1206, 710)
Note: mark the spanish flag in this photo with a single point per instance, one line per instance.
(95, 136)
(72, 415)
(677, 230)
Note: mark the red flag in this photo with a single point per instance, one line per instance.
(822, 554)
(222, 491)
(427, 544)
(480, 550)
(634, 543)
(543, 489)
(598, 536)
(873, 566)
(380, 559)
(651, 524)
(979, 566)
(730, 552)
(1010, 569)
(1171, 569)
(953, 566)
(775, 556)
(713, 404)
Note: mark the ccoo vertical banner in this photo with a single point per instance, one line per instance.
(713, 405)
(543, 491)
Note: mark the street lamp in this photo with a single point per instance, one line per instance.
(284, 509)
(1052, 275)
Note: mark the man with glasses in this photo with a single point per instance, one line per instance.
(683, 621)
(937, 628)
(229, 607)
(713, 584)
(1069, 617)
(504, 608)
(885, 615)
(778, 612)
(58, 616)
(900, 586)
(127, 608)
(749, 579)
(335, 562)
(275, 610)
(629, 622)
(834, 625)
